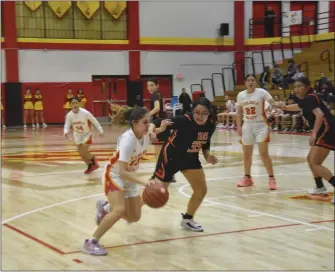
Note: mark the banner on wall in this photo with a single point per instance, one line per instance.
(60, 7)
(33, 5)
(292, 18)
(115, 8)
(88, 8)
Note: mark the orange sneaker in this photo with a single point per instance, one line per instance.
(245, 182)
(272, 184)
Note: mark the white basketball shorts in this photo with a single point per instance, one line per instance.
(254, 133)
(114, 183)
(82, 138)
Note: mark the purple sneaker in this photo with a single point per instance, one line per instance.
(94, 248)
(100, 210)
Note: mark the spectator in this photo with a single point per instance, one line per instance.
(227, 114)
(269, 22)
(319, 83)
(291, 71)
(264, 78)
(293, 115)
(277, 77)
(185, 100)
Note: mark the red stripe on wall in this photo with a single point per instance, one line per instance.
(134, 40)
(239, 40)
(10, 44)
(332, 16)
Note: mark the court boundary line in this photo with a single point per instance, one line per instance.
(61, 252)
(181, 191)
(90, 196)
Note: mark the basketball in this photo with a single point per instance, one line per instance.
(155, 196)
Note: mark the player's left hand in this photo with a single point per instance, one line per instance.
(212, 159)
(165, 124)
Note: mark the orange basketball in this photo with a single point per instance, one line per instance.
(155, 195)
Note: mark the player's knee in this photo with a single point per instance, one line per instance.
(200, 191)
(119, 211)
(264, 154)
(135, 217)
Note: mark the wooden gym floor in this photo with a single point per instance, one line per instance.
(48, 209)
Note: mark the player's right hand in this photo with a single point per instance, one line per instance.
(66, 135)
(150, 182)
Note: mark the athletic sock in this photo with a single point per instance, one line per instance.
(318, 182)
(187, 216)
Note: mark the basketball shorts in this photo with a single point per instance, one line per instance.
(83, 138)
(169, 163)
(254, 133)
(326, 139)
(113, 183)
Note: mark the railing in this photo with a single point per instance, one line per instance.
(325, 56)
(262, 58)
(304, 70)
(272, 52)
(319, 23)
(223, 82)
(252, 66)
(232, 69)
(199, 87)
(212, 84)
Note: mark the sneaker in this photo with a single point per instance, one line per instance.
(190, 224)
(25, 126)
(44, 125)
(272, 184)
(100, 211)
(4, 126)
(92, 166)
(232, 126)
(92, 246)
(245, 182)
(33, 125)
(318, 191)
(37, 125)
(333, 200)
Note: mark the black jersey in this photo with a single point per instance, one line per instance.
(163, 136)
(326, 134)
(311, 102)
(156, 96)
(188, 138)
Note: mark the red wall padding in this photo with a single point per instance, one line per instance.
(332, 16)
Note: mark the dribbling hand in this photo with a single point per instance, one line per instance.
(212, 159)
(150, 182)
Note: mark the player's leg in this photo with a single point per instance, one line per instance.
(197, 180)
(263, 138)
(32, 113)
(42, 118)
(118, 202)
(316, 157)
(248, 140)
(25, 117)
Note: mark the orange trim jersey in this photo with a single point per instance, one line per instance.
(253, 105)
(81, 122)
(326, 134)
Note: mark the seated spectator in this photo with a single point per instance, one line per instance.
(319, 83)
(277, 77)
(291, 71)
(290, 115)
(276, 115)
(264, 78)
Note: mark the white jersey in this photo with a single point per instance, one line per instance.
(81, 122)
(130, 150)
(253, 105)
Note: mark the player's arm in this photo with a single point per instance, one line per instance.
(95, 122)
(126, 150)
(157, 106)
(206, 148)
(67, 125)
(239, 115)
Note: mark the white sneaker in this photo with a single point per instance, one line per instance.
(4, 126)
(100, 210)
(37, 125)
(190, 224)
(25, 126)
(232, 127)
(333, 200)
(318, 191)
(44, 125)
(33, 126)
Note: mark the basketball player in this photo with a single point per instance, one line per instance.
(120, 178)
(191, 134)
(2, 117)
(158, 116)
(81, 121)
(38, 108)
(255, 129)
(322, 140)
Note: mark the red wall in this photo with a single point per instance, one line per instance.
(258, 10)
(309, 14)
(332, 15)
